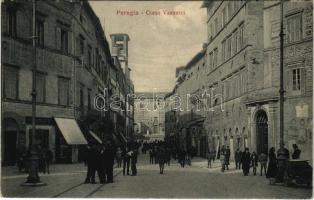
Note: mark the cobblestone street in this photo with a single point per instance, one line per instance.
(196, 181)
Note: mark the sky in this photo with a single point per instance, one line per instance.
(158, 43)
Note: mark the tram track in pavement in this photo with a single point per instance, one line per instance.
(78, 185)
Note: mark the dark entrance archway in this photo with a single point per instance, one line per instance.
(9, 141)
(261, 132)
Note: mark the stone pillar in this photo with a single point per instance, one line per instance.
(273, 132)
(231, 148)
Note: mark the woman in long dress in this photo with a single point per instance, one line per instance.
(272, 166)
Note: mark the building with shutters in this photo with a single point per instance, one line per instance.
(74, 64)
(241, 67)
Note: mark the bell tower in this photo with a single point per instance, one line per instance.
(119, 45)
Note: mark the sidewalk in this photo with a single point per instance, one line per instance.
(8, 172)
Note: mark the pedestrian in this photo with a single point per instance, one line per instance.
(262, 158)
(168, 155)
(254, 161)
(296, 152)
(222, 161)
(227, 157)
(246, 160)
(151, 156)
(48, 160)
(119, 157)
(102, 165)
(92, 162)
(237, 158)
(209, 159)
(188, 159)
(126, 160)
(161, 157)
(181, 157)
(272, 166)
(109, 157)
(134, 155)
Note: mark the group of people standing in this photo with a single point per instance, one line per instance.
(129, 156)
(100, 158)
(159, 152)
(245, 160)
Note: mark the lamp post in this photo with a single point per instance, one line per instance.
(282, 153)
(33, 177)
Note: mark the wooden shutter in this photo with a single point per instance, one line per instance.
(58, 38)
(70, 38)
(47, 40)
(303, 80)
(288, 80)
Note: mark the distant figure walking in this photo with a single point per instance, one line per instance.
(126, 160)
(254, 161)
(161, 157)
(237, 158)
(263, 162)
(246, 160)
(119, 157)
(151, 156)
(134, 155)
(227, 157)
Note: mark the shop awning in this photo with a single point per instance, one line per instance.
(121, 136)
(70, 131)
(95, 136)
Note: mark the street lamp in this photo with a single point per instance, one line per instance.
(33, 177)
(282, 153)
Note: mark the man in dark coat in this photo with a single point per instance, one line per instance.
(246, 160)
(161, 156)
(134, 161)
(227, 157)
(237, 158)
(126, 160)
(91, 161)
(109, 157)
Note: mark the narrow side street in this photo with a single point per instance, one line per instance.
(196, 181)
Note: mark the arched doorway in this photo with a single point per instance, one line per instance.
(261, 132)
(9, 141)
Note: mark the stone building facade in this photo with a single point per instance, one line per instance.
(241, 67)
(73, 62)
(150, 114)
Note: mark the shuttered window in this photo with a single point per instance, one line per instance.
(40, 87)
(63, 91)
(64, 41)
(294, 24)
(40, 32)
(11, 22)
(10, 82)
